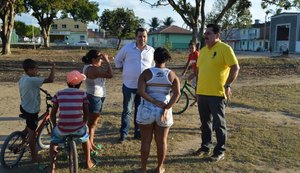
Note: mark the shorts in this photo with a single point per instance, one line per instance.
(149, 113)
(60, 137)
(31, 119)
(95, 104)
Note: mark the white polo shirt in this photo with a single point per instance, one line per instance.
(134, 62)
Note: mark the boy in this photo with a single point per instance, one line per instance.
(73, 111)
(192, 59)
(29, 88)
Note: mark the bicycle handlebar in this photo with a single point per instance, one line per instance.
(48, 95)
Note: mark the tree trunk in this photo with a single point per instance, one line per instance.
(8, 20)
(119, 43)
(46, 31)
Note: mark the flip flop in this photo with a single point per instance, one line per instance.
(98, 147)
(94, 164)
(94, 153)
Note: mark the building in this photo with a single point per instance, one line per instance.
(285, 33)
(254, 38)
(68, 31)
(172, 37)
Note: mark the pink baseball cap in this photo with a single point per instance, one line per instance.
(75, 77)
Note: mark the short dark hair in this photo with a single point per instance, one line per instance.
(92, 54)
(215, 27)
(140, 30)
(161, 55)
(192, 44)
(29, 64)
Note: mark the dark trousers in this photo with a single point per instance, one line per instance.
(130, 97)
(212, 116)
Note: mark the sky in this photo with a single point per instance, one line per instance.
(143, 10)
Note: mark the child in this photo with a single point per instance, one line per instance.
(73, 109)
(95, 89)
(192, 59)
(29, 88)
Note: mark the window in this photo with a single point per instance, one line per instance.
(82, 37)
(283, 32)
(54, 26)
(76, 26)
(63, 26)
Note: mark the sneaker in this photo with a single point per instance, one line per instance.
(217, 157)
(137, 137)
(201, 153)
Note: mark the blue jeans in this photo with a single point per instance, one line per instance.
(130, 97)
(212, 117)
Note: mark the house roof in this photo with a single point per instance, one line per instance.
(173, 29)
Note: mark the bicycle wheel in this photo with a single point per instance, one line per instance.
(13, 149)
(44, 137)
(182, 103)
(73, 157)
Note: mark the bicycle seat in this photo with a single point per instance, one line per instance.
(22, 116)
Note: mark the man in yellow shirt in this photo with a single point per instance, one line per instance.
(217, 68)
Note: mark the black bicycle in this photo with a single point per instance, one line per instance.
(187, 93)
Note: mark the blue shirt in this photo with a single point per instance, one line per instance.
(29, 88)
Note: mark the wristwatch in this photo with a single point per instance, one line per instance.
(227, 86)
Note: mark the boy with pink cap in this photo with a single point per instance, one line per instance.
(73, 111)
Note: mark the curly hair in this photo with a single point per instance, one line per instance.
(161, 55)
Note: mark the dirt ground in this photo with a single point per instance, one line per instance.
(10, 72)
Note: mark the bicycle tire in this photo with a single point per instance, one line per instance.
(182, 104)
(13, 149)
(44, 137)
(73, 157)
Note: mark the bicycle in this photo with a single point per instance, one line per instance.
(183, 101)
(17, 143)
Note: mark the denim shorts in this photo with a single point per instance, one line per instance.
(59, 137)
(95, 103)
(149, 114)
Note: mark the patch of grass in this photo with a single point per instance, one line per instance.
(284, 98)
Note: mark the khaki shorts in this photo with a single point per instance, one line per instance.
(149, 114)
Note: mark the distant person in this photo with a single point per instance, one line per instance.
(155, 111)
(72, 105)
(191, 62)
(29, 87)
(95, 89)
(133, 59)
(217, 69)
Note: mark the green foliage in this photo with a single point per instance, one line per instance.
(154, 24)
(285, 4)
(84, 11)
(120, 22)
(24, 30)
(168, 21)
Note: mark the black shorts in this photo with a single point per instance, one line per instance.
(31, 119)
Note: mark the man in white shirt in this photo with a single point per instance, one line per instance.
(133, 59)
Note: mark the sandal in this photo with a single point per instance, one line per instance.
(98, 147)
(94, 164)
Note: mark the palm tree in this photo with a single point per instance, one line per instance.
(168, 21)
(154, 24)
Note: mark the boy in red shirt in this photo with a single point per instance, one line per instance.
(191, 61)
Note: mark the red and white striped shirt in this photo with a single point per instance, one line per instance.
(70, 102)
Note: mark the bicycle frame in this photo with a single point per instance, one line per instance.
(187, 86)
(17, 142)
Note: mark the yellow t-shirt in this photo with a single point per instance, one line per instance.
(213, 69)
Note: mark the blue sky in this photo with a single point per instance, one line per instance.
(143, 10)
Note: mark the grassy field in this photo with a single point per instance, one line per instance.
(263, 120)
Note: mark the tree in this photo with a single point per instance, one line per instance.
(8, 11)
(285, 4)
(24, 30)
(120, 22)
(168, 21)
(154, 24)
(236, 17)
(190, 13)
(45, 12)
